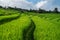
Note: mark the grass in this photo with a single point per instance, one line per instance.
(8, 11)
(54, 18)
(8, 16)
(14, 30)
(15, 25)
(5, 19)
(45, 30)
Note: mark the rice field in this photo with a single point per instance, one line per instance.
(15, 25)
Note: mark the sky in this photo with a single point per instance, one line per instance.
(32, 4)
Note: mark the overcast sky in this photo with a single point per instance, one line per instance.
(33, 4)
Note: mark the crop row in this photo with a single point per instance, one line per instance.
(14, 30)
(45, 30)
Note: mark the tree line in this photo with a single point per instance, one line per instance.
(32, 10)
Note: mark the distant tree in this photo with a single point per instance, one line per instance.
(56, 10)
(1, 7)
(42, 10)
(30, 10)
(10, 7)
(50, 11)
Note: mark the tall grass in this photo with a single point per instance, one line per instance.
(14, 30)
(45, 30)
(5, 19)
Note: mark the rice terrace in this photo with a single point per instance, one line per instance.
(24, 24)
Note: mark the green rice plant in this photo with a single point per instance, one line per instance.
(8, 12)
(14, 30)
(45, 30)
(5, 19)
(9, 16)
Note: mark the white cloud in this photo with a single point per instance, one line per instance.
(45, 4)
(22, 4)
(40, 4)
(18, 3)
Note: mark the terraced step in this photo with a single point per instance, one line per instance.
(5, 20)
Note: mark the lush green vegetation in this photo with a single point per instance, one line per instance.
(8, 16)
(14, 30)
(17, 25)
(46, 30)
(7, 12)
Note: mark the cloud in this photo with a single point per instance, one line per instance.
(40, 4)
(18, 3)
(44, 4)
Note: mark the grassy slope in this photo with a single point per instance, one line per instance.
(8, 16)
(47, 26)
(54, 18)
(5, 19)
(8, 11)
(13, 30)
(45, 30)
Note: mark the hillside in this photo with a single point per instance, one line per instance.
(27, 25)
